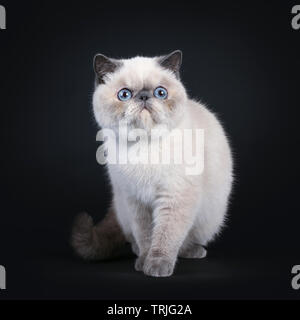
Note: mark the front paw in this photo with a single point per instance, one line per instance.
(158, 266)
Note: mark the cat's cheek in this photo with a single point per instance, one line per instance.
(170, 104)
(119, 106)
(114, 110)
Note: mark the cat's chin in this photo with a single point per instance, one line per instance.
(146, 120)
(145, 114)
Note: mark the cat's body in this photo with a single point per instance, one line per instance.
(163, 211)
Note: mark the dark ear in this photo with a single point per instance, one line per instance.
(172, 62)
(104, 65)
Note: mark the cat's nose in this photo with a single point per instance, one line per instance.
(143, 95)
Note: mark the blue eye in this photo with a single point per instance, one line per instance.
(160, 93)
(124, 94)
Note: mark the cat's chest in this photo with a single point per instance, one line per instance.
(140, 181)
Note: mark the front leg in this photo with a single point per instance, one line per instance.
(173, 221)
(141, 229)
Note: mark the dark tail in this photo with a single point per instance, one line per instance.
(97, 242)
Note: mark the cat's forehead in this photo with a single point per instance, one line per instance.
(141, 72)
(140, 65)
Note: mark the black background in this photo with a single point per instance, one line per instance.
(241, 58)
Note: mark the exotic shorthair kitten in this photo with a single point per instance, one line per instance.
(161, 210)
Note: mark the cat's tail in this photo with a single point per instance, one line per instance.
(97, 242)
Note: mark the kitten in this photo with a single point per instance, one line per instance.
(162, 211)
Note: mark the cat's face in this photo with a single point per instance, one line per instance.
(144, 92)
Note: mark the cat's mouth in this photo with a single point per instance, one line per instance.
(147, 114)
(146, 106)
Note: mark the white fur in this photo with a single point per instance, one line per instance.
(161, 209)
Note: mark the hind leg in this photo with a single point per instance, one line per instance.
(206, 226)
(193, 251)
(191, 247)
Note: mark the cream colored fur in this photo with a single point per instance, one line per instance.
(161, 210)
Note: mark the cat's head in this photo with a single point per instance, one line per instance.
(144, 92)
